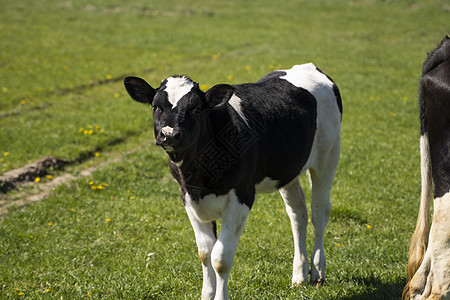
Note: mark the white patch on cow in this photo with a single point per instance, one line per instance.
(176, 88)
(167, 130)
(267, 185)
(235, 102)
(209, 208)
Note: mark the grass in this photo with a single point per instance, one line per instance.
(61, 68)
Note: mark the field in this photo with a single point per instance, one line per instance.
(117, 229)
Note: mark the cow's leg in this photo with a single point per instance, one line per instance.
(233, 220)
(432, 279)
(205, 237)
(295, 201)
(321, 181)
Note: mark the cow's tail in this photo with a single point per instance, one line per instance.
(419, 240)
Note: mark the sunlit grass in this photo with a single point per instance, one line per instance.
(123, 232)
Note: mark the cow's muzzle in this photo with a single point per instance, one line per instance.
(168, 138)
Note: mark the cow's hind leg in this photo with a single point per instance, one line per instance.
(295, 201)
(322, 177)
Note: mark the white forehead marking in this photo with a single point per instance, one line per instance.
(176, 88)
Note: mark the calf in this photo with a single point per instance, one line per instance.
(233, 141)
(429, 254)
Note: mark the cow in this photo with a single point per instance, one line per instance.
(233, 141)
(429, 254)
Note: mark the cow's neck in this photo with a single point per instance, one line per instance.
(192, 166)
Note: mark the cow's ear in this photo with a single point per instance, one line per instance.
(139, 89)
(219, 94)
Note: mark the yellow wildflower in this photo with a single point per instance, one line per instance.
(5, 90)
(109, 76)
(50, 224)
(23, 101)
(105, 184)
(97, 154)
(91, 182)
(37, 179)
(339, 245)
(21, 294)
(215, 56)
(229, 77)
(6, 154)
(108, 220)
(369, 226)
(48, 176)
(100, 187)
(405, 98)
(392, 114)
(116, 95)
(47, 291)
(131, 197)
(248, 68)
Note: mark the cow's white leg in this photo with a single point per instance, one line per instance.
(322, 177)
(205, 237)
(233, 220)
(295, 201)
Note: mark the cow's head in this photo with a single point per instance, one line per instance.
(178, 107)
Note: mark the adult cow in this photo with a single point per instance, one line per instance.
(235, 140)
(429, 255)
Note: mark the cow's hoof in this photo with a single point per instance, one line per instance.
(318, 283)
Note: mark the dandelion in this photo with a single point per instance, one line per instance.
(105, 184)
(37, 179)
(369, 226)
(6, 154)
(108, 220)
(248, 68)
(405, 98)
(339, 245)
(204, 87)
(97, 154)
(40, 90)
(90, 131)
(1, 160)
(109, 76)
(116, 95)
(93, 187)
(23, 101)
(5, 89)
(48, 176)
(47, 290)
(50, 224)
(21, 294)
(72, 209)
(132, 197)
(215, 56)
(91, 182)
(97, 127)
(229, 77)
(392, 114)
(100, 187)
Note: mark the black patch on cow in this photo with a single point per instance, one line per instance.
(434, 105)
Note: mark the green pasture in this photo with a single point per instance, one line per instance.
(61, 94)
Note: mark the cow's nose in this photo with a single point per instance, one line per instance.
(168, 135)
(166, 132)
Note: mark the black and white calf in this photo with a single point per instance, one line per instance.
(233, 141)
(429, 254)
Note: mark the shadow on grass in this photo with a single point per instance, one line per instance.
(377, 289)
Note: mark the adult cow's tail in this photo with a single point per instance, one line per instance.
(419, 240)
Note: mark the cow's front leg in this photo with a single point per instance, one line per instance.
(233, 220)
(205, 237)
